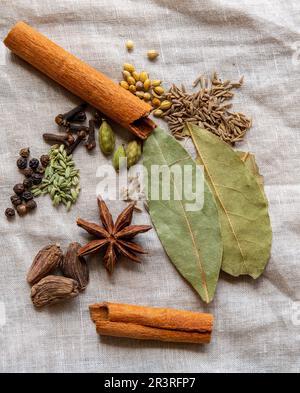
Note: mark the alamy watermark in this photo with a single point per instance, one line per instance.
(2, 314)
(161, 182)
(296, 54)
(296, 313)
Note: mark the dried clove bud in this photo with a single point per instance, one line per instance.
(53, 289)
(80, 117)
(81, 136)
(76, 128)
(91, 142)
(75, 267)
(65, 139)
(46, 261)
(72, 115)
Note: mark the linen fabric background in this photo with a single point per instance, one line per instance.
(257, 323)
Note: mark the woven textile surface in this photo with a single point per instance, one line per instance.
(257, 323)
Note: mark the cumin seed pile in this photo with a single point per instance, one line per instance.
(208, 108)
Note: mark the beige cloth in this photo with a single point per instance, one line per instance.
(257, 322)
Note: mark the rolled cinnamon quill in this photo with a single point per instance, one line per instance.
(81, 79)
(148, 323)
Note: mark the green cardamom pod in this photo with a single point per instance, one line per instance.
(133, 153)
(107, 138)
(119, 153)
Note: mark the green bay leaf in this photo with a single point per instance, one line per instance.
(192, 239)
(243, 207)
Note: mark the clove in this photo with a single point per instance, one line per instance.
(76, 128)
(91, 142)
(75, 113)
(66, 139)
(81, 136)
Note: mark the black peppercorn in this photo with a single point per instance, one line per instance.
(25, 152)
(37, 178)
(19, 189)
(27, 183)
(22, 209)
(22, 163)
(40, 170)
(9, 212)
(34, 163)
(31, 205)
(27, 196)
(15, 200)
(45, 159)
(28, 172)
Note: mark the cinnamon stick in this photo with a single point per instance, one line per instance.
(81, 79)
(149, 323)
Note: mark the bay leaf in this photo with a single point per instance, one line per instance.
(250, 162)
(192, 239)
(243, 208)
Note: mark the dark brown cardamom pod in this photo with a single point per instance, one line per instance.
(53, 289)
(75, 267)
(47, 260)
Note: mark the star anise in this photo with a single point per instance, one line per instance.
(115, 237)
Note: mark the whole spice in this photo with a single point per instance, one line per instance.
(77, 128)
(75, 267)
(118, 155)
(27, 196)
(106, 138)
(72, 115)
(61, 178)
(245, 224)
(124, 84)
(158, 113)
(91, 142)
(128, 67)
(45, 262)
(34, 163)
(80, 137)
(9, 212)
(19, 189)
(45, 159)
(115, 237)
(152, 54)
(27, 182)
(81, 79)
(22, 209)
(37, 178)
(133, 153)
(187, 231)
(66, 139)
(53, 289)
(209, 108)
(151, 323)
(129, 45)
(16, 200)
(27, 172)
(25, 152)
(22, 163)
(31, 204)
